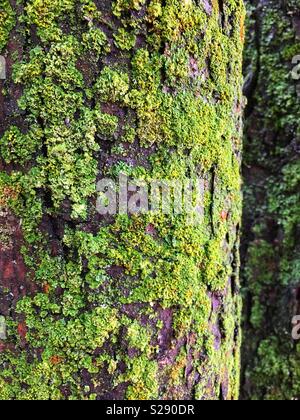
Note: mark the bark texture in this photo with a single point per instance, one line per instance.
(271, 261)
(145, 306)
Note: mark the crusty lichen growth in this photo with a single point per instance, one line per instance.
(272, 265)
(115, 298)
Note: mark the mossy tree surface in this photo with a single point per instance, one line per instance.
(272, 201)
(126, 307)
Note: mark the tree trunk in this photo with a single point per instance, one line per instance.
(143, 305)
(271, 246)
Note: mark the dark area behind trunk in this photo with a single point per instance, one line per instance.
(270, 248)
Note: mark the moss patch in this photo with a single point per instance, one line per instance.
(132, 303)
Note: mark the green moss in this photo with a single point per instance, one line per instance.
(112, 85)
(106, 124)
(129, 134)
(123, 6)
(44, 13)
(271, 355)
(276, 369)
(68, 162)
(7, 22)
(95, 41)
(168, 115)
(66, 348)
(89, 11)
(20, 148)
(142, 373)
(124, 40)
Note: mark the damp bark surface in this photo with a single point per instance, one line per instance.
(127, 306)
(270, 260)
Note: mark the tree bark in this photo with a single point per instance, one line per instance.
(138, 306)
(271, 220)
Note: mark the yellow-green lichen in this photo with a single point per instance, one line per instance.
(125, 40)
(7, 22)
(170, 110)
